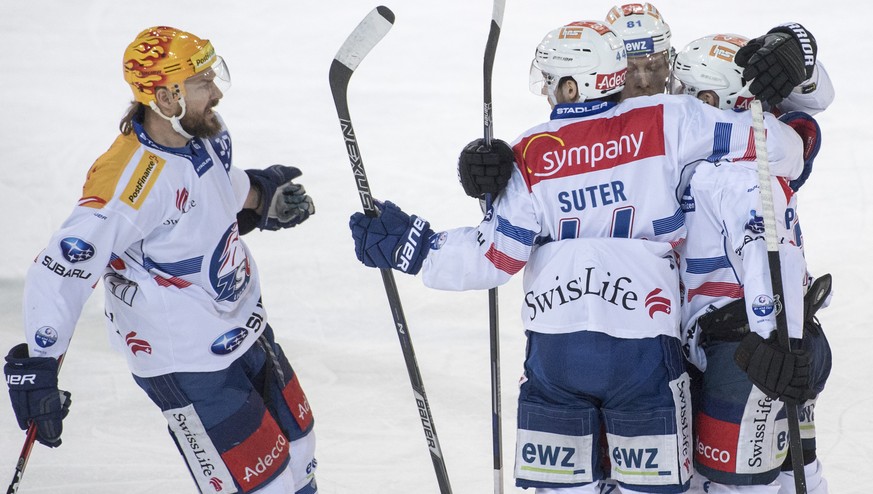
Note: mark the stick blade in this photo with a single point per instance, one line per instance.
(369, 32)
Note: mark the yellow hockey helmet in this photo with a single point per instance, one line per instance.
(164, 56)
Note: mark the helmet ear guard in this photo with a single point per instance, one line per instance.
(586, 51)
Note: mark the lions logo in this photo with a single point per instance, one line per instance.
(229, 269)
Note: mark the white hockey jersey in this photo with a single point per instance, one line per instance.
(812, 96)
(725, 255)
(159, 225)
(592, 211)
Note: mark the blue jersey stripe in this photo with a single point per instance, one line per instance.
(721, 141)
(670, 224)
(521, 235)
(179, 268)
(706, 265)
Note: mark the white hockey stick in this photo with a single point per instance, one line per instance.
(764, 185)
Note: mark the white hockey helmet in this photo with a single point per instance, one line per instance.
(587, 51)
(641, 27)
(707, 64)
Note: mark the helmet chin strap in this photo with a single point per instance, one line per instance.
(550, 92)
(174, 120)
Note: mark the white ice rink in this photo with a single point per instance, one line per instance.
(415, 101)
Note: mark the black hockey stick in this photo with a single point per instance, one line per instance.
(794, 444)
(365, 36)
(493, 322)
(29, 440)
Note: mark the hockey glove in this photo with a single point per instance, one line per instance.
(808, 130)
(778, 61)
(779, 374)
(284, 203)
(485, 170)
(391, 240)
(34, 393)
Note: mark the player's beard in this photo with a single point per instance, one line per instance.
(204, 124)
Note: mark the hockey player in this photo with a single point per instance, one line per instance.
(785, 50)
(160, 220)
(729, 309)
(647, 40)
(649, 53)
(591, 213)
(805, 87)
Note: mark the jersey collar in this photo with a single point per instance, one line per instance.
(584, 109)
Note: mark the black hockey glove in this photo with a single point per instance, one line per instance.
(779, 374)
(391, 240)
(285, 204)
(485, 170)
(34, 393)
(778, 61)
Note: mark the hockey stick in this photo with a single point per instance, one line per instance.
(29, 440)
(794, 445)
(493, 322)
(365, 36)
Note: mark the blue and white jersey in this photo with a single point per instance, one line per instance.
(724, 257)
(592, 212)
(812, 96)
(159, 226)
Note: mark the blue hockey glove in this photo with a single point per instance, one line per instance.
(485, 170)
(285, 204)
(778, 373)
(391, 240)
(34, 393)
(808, 130)
(778, 61)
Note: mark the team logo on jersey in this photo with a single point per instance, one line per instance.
(182, 202)
(657, 303)
(137, 345)
(437, 240)
(229, 269)
(46, 336)
(755, 223)
(76, 250)
(763, 305)
(230, 341)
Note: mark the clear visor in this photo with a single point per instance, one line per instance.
(222, 74)
(216, 74)
(540, 83)
(675, 86)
